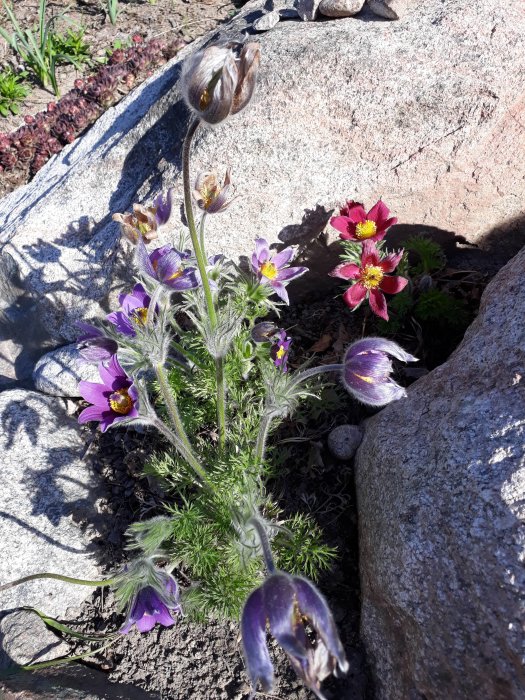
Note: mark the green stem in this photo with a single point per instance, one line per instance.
(188, 208)
(58, 577)
(67, 659)
(307, 374)
(262, 436)
(221, 401)
(201, 234)
(265, 544)
(171, 405)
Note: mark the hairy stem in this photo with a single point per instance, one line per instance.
(58, 577)
(221, 400)
(300, 377)
(265, 544)
(173, 410)
(262, 436)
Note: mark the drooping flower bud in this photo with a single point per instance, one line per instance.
(219, 80)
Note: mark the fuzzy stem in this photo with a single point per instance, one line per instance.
(221, 400)
(262, 436)
(61, 661)
(265, 544)
(307, 374)
(201, 234)
(188, 208)
(155, 298)
(58, 577)
(173, 410)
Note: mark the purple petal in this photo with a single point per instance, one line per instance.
(313, 605)
(98, 349)
(113, 375)
(280, 600)
(168, 266)
(283, 258)
(122, 323)
(262, 252)
(290, 273)
(143, 260)
(372, 394)
(187, 280)
(91, 413)
(164, 617)
(88, 331)
(280, 290)
(374, 366)
(253, 632)
(163, 209)
(373, 344)
(97, 394)
(146, 623)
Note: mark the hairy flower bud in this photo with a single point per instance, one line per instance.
(219, 80)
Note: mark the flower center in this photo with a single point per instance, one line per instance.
(368, 380)
(269, 270)
(176, 274)
(139, 316)
(280, 353)
(371, 276)
(121, 402)
(365, 229)
(205, 100)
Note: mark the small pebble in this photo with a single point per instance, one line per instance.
(267, 21)
(344, 440)
(384, 8)
(307, 9)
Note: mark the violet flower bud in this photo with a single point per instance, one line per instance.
(219, 80)
(154, 604)
(367, 369)
(286, 604)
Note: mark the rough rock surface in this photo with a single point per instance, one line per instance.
(427, 113)
(340, 8)
(25, 639)
(45, 490)
(441, 497)
(58, 372)
(344, 440)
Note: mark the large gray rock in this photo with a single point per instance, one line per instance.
(441, 494)
(58, 372)
(46, 489)
(25, 639)
(425, 112)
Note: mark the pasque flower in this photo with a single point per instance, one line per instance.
(134, 311)
(273, 269)
(286, 604)
(113, 401)
(154, 603)
(355, 224)
(219, 80)
(144, 222)
(371, 279)
(210, 195)
(165, 264)
(93, 345)
(280, 350)
(367, 370)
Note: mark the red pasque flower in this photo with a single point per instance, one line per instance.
(354, 224)
(370, 279)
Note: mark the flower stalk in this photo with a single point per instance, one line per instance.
(57, 577)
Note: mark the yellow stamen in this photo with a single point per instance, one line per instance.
(371, 276)
(269, 270)
(205, 100)
(139, 316)
(280, 353)
(368, 380)
(121, 402)
(175, 275)
(365, 229)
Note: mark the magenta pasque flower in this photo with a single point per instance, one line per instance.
(367, 370)
(165, 264)
(370, 279)
(286, 604)
(134, 311)
(354, 224)
(273, 269)
(114, 401)
(280, 350)
(152, 604)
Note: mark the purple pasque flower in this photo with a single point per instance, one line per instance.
(286, 603)
(134, 311)
(165, 265)
(153, 604)
(273, 269)
(210, 195)
(280, 350)
(93, 345)
(115, 400)
(367, 370)
(163, 208)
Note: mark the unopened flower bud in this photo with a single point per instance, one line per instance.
(219, 80)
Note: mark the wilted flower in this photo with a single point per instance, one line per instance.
(355, 224)
(273, 269)
(210, 195)
(286, 604)
(134, 311)
(367, 369)
(113, 401)
(154, 603)
(165, 265)
(93, 345)
(144, 222)
(280, 350)
(371, 279)
(219, 80)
